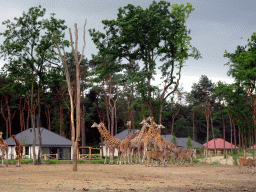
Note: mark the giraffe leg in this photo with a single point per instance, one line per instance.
(2, 160)
(107, 149)
(144, 155)
(128, 154)
(139, 156)
(131, 155)
(7, 158)
(111, 155)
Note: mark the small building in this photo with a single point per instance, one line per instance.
(52, 143)
(219, 143)
(182, 142)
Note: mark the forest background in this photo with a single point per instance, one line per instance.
(117, 82)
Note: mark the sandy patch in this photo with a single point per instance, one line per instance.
(219, 159)
(98, 177)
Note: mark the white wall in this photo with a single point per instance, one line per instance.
(12, 153)
(104, 152)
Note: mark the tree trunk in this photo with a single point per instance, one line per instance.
(29, 112)
(32, 110)
(34, 138)
(6, 119)
(234, 127)
(115, 121)
(47, 113)
(75, 134)
(40, 141)
(207, 116)
(48, 118)
(239, 137)
(9, 115)
(213, 137)
(75, 149)
(83, 128)
(172, 125)
(22, 116)
(207, 137)
(231, 125)
(61, 118)
(224, 133)
(160, 115)
(38, 120)
(194, 137)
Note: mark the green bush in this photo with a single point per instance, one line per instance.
(235, 157)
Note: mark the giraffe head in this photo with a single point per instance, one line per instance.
(150, 118)
(1, 135)
(94, 125)
(144, 121)
(101, 125)
(160, 126)
(128, 123)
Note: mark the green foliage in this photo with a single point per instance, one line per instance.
(189, 142)
(199, 150)
(138, 34)
(243, 67)
(174, 140)
(182, 127)
(235, 157)
(29, 46)
(202, 90)
(237, 105)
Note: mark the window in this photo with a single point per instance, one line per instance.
(26, 150)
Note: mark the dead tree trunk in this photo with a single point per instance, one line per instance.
(83, 127)
(75, 134)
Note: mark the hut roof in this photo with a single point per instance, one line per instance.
(219, 142)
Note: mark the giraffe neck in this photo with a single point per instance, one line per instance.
(128, 134)
(105, 130)
(142, 131)
(16, 141)
(102, 133)
(2, 140)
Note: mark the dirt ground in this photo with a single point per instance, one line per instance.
(98, 177)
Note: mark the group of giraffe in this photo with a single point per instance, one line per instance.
(137, 144)
(4, 150)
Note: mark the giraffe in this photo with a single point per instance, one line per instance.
(4, 149)
(136, 142)
(103, 134)
(110, 141)
(18, 149)
(159, 142)
(147, 142)
(125, 146)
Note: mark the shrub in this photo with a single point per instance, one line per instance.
(235, 157)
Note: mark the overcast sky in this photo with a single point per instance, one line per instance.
(216, 26)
